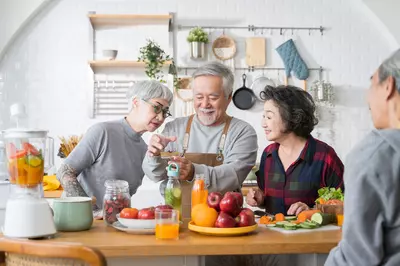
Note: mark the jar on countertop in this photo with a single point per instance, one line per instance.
(116, 198)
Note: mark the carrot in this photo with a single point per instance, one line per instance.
(264, 220)
(279, 217)
(306, 215)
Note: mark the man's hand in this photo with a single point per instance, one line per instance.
(254, 197)
(186, 168)
(157, 143)
(297, 208)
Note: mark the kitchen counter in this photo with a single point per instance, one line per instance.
(117, 245)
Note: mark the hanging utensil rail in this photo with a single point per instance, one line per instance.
(252, 69)
(254, 28)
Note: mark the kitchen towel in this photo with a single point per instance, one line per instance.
(292, 60)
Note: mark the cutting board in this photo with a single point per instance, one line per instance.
(255, 51)
(329, 227)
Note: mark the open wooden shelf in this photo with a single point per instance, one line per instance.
(98, 20)
(117, 64)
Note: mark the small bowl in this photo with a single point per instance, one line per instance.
(137, 223)
(110, 54)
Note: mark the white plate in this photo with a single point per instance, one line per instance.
(328, 227)
(121, 227)
(137, 223)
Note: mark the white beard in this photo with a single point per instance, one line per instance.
(206, 120)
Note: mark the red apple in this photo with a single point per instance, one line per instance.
(214, 199)
(238, 196)
(229, 204)
(245, 218)
(146, 214)
(224, 220)
(164, 207)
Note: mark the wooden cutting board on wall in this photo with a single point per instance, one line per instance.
(255, 51)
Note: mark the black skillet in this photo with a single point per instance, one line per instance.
(244, 98)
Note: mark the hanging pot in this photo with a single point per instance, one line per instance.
(244, 98)
(197, 50)
(260, 84)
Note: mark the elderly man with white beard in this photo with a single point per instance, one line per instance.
(211, 143)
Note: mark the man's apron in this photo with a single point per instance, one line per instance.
(209, 159)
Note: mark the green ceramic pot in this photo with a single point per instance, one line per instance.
(73, 214)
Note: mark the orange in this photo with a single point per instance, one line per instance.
(202, 215)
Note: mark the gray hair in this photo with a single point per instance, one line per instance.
(149, 89)
(219, 70)
(391, 67)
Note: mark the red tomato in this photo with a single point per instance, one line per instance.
(129, 213)
(30, 149)
(146, 214)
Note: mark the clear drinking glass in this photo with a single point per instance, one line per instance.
(167, 224)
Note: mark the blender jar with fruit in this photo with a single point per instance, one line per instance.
(28, 214)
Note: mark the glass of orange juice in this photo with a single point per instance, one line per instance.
(167, 224)
(339, 218)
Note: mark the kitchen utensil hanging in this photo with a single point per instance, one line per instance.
(183, 105)
(255, 51)
(224, 49)
(293, 62)
(259, 85)
(244, 98)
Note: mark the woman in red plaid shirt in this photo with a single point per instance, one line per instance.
(296, 165)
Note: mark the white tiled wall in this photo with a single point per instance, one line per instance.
(47, 69)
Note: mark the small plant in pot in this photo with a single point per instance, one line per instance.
(155, 58)
(197, 39)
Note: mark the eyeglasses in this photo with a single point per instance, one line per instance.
(158, 109)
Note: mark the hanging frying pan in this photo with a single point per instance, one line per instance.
(244, 98)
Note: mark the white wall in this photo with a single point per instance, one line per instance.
(13, 15)
(48, 69)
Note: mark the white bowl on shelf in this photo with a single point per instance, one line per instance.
(110, 54)
(137, 223)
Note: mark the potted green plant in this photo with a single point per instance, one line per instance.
(197, 38)
(155, 58)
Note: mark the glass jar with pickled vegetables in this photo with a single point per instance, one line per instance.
(116, 198)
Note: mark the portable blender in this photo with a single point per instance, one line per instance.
(28, 214)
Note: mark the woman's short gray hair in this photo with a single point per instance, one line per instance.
(219, 70)
(148, 89)
(391, 67)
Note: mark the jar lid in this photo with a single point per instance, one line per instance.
(116, 184)
(173, 171)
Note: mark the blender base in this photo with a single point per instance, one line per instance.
(28, 217)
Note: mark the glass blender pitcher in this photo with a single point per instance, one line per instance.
(28, 214)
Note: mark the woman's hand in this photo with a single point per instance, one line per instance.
(254, 197)
(186, 168)
(297, 208)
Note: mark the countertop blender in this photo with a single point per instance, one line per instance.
(28, 214)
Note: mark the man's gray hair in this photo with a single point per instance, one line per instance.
(148, 89)
(391, 67)
(219, 70)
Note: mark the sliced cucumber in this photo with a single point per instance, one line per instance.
(305, 226)
(310, 224)
(271, 225)
(290, 218)
(322, 218)
(281, 224)
(290, 226)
